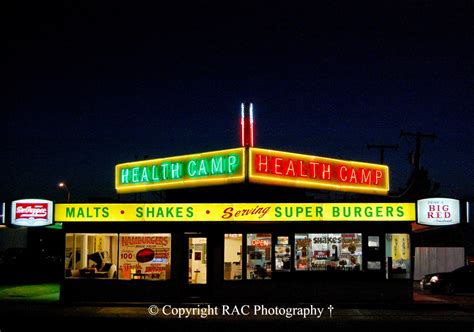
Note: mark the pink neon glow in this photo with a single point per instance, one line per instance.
(251, 124)
(246, 123)
(242, 124)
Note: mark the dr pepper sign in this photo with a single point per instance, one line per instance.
(32, 212)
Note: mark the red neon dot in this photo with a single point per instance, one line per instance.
(207, 211)
(122, 211)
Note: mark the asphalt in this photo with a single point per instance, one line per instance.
(37, 307)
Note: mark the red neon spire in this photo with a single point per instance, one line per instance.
(246, 123)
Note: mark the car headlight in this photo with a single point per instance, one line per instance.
(434, 279)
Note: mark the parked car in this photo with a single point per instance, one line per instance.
(459, 280)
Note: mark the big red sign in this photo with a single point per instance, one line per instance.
(32, 212)
(438, 211)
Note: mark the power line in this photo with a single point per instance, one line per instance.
(418, 137)
(382, 148)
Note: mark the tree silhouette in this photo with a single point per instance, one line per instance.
(420, 185)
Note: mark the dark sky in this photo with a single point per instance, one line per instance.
(93, 84)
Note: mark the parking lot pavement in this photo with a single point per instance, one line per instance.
(464, 301)
(21, 316)
(22, 305)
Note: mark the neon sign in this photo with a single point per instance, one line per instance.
(204, 169)
(263, 167)
(261, 243)
(297, 170)
(247, 124)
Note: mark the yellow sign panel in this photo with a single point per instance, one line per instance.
(305, 171)
(203, 169)
(231, 212)
(99, 243)
(400, 246)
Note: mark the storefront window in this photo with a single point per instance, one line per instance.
(259, 256)
(232, 256)
(282, 254)
(145, 256)
(374, 242)
(91, 256)
(397, 255)
(71, 262)
(326, 252)
(373, 254)
(197, 263)
(373, 265)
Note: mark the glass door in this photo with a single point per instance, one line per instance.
(283, 254)
(197, 260)
(397, 256)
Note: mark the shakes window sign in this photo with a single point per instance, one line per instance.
(438, 211)
(32, 212)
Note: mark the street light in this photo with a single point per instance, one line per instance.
(63, 185)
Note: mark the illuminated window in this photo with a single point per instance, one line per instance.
(374, 242)
(197, 262)
(259, 256)
(373, 265)
(397, 256)
(232, 256)
(328, 252)
(91, 256)
(145, 256)
(282, 254)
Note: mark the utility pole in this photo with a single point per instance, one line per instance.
(418, 136)
(382, 149)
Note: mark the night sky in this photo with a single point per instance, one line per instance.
(93, 85)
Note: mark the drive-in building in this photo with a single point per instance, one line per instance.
(241, 225)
